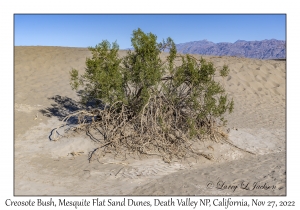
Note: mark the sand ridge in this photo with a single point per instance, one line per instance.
(43, 96)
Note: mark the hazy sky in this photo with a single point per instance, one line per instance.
(89, 30)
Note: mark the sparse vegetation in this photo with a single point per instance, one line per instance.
(150, 106)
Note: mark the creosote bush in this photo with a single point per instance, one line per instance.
(151, 106)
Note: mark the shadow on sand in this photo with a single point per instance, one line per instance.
(62, 107)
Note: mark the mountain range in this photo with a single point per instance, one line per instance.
(265, 49)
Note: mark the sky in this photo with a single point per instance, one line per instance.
(88, 30)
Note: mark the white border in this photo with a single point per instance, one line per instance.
(8, 8)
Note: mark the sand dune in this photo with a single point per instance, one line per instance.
(42, 167)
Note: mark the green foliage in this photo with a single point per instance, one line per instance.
(189, 98)
(103, 78)
(224, 71)
(142, 67)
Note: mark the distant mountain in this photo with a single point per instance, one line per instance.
(265, 49)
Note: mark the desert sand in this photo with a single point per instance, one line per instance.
(43, 96)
